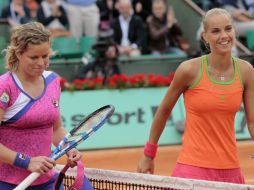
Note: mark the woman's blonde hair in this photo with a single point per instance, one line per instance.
(214, 11)
(22, 36)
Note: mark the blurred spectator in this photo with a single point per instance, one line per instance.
(33, 6)
(243, 18)
(207, 4)
(129, 31)
(108, 12)
(105, 63)
(17, 13)
(52, 15)
(84, 17)
(165, 35)
(250, 5)
(142, 8)
(112, 60)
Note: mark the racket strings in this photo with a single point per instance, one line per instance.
(89, 124)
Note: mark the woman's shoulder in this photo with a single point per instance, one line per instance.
(191, 66)
(5, 77)
(244, 66)
(51, 74)
(6, 81)
(189, 70)
(242, 62)
(246, 69)
(51, 77)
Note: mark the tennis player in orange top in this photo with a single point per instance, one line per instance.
(214, 87)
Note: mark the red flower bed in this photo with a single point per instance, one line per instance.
(119, 82)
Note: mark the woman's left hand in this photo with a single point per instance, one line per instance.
(73, 156)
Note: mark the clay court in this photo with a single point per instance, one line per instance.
(126, 159)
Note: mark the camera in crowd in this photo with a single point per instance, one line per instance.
(105, 58)
(105, 40)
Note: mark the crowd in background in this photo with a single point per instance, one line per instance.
(138, 26)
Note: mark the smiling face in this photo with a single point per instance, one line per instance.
(219, 32)
(34, 60)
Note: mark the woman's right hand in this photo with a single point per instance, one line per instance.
(146, 165)
(41, 164)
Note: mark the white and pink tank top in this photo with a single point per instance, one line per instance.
(27, 124)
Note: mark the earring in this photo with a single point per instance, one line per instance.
(47, 65)
(207, 45)
(15, 67)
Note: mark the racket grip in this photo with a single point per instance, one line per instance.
(27, 181)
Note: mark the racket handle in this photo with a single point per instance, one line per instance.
(27, 181)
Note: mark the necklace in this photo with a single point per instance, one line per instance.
(218, 74)
(222, 77)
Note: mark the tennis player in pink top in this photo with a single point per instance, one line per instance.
(214, 87)
(29, 110)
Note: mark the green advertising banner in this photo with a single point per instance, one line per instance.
(130, 124)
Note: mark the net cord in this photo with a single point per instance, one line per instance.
(155, 180)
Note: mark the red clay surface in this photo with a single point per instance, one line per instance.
(126, 159)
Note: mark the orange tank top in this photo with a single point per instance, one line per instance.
(211, 106)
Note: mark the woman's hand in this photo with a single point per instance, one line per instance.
(171, 20)
(73, 156)
(146, 165)
(41, 164)
(20, 10)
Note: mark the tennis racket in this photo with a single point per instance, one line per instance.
(86, 128)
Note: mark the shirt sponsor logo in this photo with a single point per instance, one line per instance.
(4, 97)
(22, 156)
(55, 103)
(222, 98)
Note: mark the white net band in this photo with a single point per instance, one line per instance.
(140, 181)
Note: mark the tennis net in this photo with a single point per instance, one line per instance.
(119, 180)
